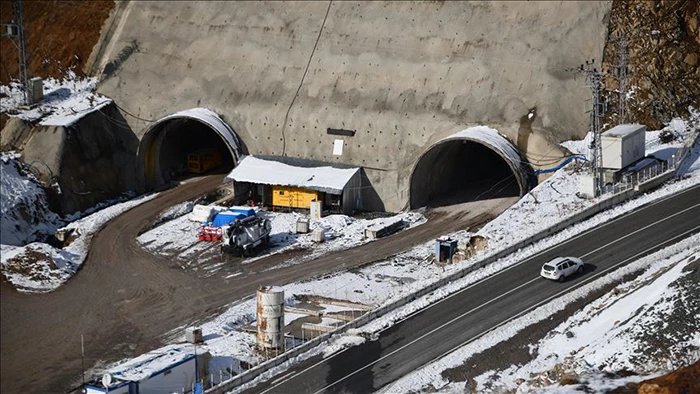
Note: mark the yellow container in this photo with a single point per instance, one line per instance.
(203, 160)
(294, 197)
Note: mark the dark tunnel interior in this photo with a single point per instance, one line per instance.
(177, 138)
(460, 171)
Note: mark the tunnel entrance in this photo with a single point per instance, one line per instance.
(186, 144)
(458, 170)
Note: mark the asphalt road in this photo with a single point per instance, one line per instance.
(125, 299)
(437, 330)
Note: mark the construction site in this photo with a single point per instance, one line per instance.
(248, 149)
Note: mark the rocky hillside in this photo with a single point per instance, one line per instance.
(684, 380)
(60, 36)
(663, 49)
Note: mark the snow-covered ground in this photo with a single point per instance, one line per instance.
(26, 221)
(27, 261)
(23, 206)
(40, 267)
(65, 101)
(177, 238)
(616, 332)
(549, 203)
(386, 281)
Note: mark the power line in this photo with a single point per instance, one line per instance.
(15, 31)
(306, 70)
(132, 115)
(595, 79)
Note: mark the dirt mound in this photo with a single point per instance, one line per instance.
(60, 36)
(684, 380)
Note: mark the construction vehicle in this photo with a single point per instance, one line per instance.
(242, 236)
(203, 160)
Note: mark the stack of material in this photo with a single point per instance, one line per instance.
(384, 228)
(202, 213)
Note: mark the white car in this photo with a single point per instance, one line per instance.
(561, 267)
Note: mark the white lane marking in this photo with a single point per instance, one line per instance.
(641, 229)
(431, 332)
(415, 340)
(608, 223)
(538, 254)
(567, 290)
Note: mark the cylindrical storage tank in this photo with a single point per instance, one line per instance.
(270, 317)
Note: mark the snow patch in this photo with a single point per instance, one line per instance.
(36, 266)
(23, 205)
(65, 101)
(596, 335)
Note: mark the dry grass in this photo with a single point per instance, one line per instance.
(60, 36)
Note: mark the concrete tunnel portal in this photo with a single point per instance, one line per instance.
(167, 143)
(474, 164)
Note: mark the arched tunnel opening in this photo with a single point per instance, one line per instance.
(458, 171)
(180, 148)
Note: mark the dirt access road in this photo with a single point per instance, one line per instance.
(125, 299)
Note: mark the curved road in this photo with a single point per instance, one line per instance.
(464, 316)
(125, 298)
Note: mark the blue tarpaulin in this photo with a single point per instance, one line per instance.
(245, 211)
(226, 217)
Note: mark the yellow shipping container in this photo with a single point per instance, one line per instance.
(203, 160)
(294, 197)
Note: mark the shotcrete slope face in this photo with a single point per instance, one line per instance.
(402, 75)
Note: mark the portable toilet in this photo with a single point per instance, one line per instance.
(445, 248)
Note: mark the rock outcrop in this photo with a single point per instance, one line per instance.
(663, 47)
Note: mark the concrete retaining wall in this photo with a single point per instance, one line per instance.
(92, 161)
(401, 74)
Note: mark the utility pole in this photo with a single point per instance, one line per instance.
(15, 31)
(82, 357)
(595, 78)
(621, 73)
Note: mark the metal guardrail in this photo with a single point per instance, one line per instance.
(649, 178)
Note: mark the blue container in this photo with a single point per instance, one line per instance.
(226, 217)
(245, 211)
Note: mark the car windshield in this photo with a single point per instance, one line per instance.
(548, 267)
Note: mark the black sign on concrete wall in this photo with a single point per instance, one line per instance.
(348, 133)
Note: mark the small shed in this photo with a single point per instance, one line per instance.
(622, 145)
(167, 370)
(295, 183)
